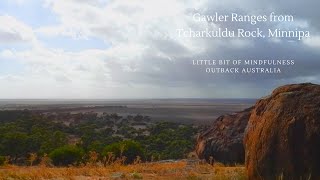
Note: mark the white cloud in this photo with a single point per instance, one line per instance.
(134, 28)
(145, 54)
(313, 42)
(11, 78)
(6, 54)
(14, 31)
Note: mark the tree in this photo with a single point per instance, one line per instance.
(96, 146)
(129, 149)
(53, 141)
(67, 155)
(169, 141)
(15, 145)
(3, 160)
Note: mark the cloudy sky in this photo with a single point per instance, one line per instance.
(130, 49)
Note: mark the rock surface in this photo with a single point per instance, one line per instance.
(283, 134)
(223, 141)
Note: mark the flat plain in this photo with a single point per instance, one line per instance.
(195, 111)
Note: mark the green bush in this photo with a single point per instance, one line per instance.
(66, 155)
(129, 149)
(2, 160)
(169, 141)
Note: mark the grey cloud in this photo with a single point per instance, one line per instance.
(62, 78)
(165, 63)
(6, 37)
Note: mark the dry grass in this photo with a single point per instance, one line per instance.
(175, 170)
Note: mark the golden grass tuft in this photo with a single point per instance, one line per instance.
(173, 170)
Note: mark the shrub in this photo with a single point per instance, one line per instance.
(66, 155)
(129, 149)
(2, 160)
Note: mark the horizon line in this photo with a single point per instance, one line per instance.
(103, 99)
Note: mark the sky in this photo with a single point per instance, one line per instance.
(114, 49)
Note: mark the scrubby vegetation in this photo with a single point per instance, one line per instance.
(36, 145)
(64, 139)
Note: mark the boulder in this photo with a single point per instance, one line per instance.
(223, 141)
(282, 139)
